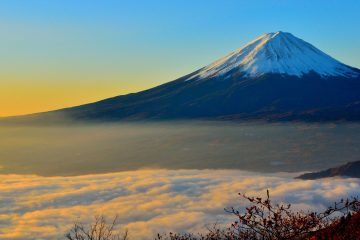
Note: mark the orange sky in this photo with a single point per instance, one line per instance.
(23, 98)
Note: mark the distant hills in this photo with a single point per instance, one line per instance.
(351, 169)
(276, 77)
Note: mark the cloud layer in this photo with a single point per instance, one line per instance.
(147, 201)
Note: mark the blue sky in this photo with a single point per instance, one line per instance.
(89, 50)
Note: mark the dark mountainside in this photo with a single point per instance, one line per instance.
(277, 77)
(351, 169)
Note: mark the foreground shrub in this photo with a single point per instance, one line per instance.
(262, 220)
(99, 230)
(345, 228)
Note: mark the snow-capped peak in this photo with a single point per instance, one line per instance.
(277, 52)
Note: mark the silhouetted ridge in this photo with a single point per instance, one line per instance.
(351, 169)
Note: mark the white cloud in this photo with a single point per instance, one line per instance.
(147, 201)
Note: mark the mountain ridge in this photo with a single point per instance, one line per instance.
(350, 169)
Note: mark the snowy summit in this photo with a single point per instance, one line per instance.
(277, 52)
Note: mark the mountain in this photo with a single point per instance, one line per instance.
(351, 169)
(280, 53)
(276, 77)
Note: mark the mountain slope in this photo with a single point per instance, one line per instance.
(276, 77)
(351, 169)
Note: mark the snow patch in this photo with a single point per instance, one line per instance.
(277, 52)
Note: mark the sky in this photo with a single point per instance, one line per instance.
(56, 54)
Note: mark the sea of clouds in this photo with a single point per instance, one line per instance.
(148, 201)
